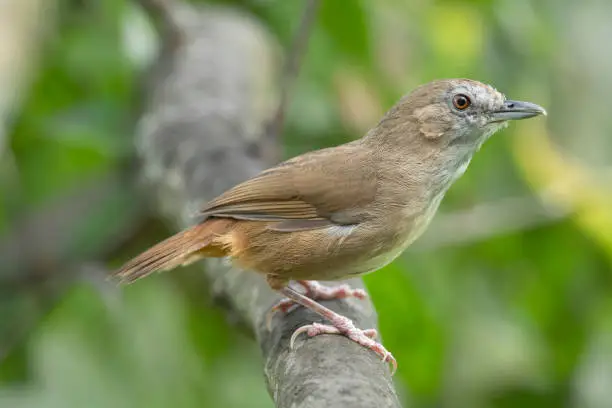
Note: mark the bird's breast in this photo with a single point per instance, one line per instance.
(388, 238)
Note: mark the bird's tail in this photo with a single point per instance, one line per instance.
(183, 248)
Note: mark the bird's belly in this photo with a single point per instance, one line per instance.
(360, 253)
(332, 253)
(376, 262)
(387, 245)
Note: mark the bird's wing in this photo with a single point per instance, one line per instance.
(315, 190)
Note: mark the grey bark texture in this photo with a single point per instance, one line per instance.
(202, 130)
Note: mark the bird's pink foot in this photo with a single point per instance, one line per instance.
(339, 325)
(344, 326)
(315, 291)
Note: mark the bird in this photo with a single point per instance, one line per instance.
(344, 211)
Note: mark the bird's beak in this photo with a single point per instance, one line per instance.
(514, 110)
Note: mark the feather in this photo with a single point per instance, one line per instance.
(318, 188)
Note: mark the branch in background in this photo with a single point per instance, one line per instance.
(488, 220)
(45, 293)
(42, 242)
(293, 62)
(38, 259)
(205, 117)
(163, 13)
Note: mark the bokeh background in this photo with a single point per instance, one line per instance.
(505, 302)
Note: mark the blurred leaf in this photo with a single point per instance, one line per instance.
(74, 122)
(455, 34)
(347, 25)
(54, 167)
(567, 182)
(410, 330)
(98, 349)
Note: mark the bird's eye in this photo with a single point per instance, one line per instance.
(461, 101)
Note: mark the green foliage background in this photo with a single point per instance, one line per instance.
(520, 319)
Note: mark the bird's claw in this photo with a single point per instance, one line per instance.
(284, 306)
(363, 337)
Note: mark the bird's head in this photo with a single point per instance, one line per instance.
(455, 112)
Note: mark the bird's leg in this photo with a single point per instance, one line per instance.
(339, 325)
(314, 290)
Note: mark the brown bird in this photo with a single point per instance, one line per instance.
(347, 210)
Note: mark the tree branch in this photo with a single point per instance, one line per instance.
(202, 131)
(293, 61)
(164, 14)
